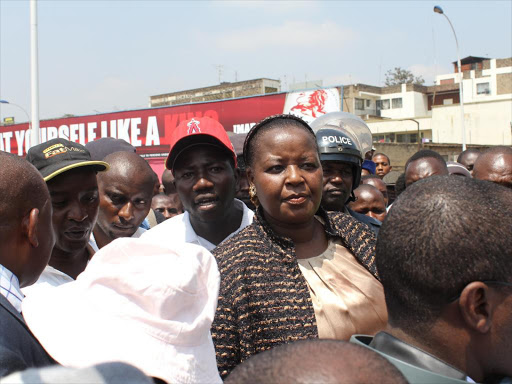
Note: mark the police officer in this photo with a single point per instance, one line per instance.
(340, 138)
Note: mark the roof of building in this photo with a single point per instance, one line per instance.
(471, 60)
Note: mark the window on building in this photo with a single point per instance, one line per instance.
(483, 89)
(382, 104)
(367, 103)
(397, 103)
(360, 104)
(447, 101)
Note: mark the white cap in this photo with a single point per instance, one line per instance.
(141, 303)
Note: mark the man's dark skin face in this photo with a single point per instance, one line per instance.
(243, 190)
(382, 165)
(423, 168)
(369, 202)
(206, 183)
(168, 205)
(338, 180)
(125, 200)
(75, 201)
(168, 182)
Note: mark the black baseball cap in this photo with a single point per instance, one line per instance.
(60, 155)
(101, 148)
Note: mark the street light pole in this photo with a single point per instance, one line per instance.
(34, 74)
(418, 126)
(438, 9)
(20, 107)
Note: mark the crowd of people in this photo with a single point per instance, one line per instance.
(277, 256)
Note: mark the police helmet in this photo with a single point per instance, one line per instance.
(342, 136)
(335, 145)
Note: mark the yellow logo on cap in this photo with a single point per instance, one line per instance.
(58, 149)
(52, 146)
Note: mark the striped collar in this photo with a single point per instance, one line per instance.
(10, 288)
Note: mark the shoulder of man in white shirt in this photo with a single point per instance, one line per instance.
(179, 228)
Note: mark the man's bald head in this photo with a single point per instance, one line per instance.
(127, 165)
(316, 361)
(468, 157)
(22, 186)
(378, 183)
(495, 165)
(369, 201)
(423, 164)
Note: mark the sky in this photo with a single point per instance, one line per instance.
(100, 56)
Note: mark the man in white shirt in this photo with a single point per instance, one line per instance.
(203, 162)
(26, 242)
(70, 176)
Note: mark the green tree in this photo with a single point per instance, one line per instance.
(399, 76)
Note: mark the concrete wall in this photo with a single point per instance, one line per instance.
(485, 123)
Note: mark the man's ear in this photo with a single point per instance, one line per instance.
(390, 168)
(238, 179)
(475, 306)
(30, 227)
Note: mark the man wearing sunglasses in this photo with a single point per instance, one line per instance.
(444, 256)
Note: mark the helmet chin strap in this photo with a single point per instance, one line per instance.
(352, 197)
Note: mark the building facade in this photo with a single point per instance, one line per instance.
(407, 113)
(217, 92)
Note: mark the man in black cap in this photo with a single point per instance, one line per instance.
(70, 175)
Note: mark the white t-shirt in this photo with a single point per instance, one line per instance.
(54, 277)
(50, 276)
(178, 229)
(92, 241)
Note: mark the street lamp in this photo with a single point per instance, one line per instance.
(418, 125)
(438, 9)
(20, 107)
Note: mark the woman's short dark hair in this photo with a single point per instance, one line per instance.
(268, 123)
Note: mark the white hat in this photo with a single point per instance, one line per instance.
(141, 303)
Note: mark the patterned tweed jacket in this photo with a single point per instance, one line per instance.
(264, 300)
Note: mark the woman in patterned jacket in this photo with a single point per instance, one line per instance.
(297, 272)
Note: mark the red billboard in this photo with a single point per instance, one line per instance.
(149, 129)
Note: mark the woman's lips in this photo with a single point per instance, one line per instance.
(296, 199)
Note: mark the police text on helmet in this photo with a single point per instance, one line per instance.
(337, 140)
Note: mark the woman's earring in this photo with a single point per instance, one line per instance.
(252, 195)
(252, 191)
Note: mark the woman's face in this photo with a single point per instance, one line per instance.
(287, 175)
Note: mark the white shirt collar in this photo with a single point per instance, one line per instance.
(192, 237)
(92, 241)
(10, 288)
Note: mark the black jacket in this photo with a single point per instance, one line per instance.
(19, 349)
